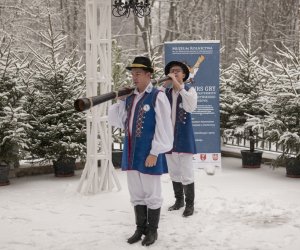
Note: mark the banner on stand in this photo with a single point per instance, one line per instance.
(202, 59)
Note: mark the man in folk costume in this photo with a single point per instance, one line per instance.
(183, 100)
(145, 115)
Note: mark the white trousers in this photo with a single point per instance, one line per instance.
(180, 167)
(144, 189)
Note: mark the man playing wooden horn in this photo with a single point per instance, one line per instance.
(146, 117)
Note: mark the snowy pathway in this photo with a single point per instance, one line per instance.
(236, 209)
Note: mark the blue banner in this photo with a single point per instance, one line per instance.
(203, 59)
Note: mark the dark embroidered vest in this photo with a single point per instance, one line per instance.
(137, 145)
(184, 139)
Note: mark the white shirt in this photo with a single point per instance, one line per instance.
(163, 135)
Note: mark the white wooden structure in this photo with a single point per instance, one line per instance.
(96, 179)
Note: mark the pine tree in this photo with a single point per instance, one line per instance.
(12, 116)
(241, 86)
(226, 99)
(118, 67)
(283, 123)
(58, 130)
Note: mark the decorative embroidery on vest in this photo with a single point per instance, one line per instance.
(139, 123)
(128, 109)
(181, 113)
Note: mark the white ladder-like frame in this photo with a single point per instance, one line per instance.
(98, 81)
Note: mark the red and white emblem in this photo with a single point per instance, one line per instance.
(203, 157)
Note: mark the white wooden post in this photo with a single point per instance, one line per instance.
(98, 81)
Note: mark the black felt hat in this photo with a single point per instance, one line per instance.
(181, 65)
(141, 62)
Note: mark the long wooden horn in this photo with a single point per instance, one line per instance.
(86, 103)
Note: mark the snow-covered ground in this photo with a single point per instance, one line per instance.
(236, 209)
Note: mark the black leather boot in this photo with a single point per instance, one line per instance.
(141, 223)
(189, 191)
(178, 191)
(153, 219)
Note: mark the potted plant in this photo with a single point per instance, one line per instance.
(252, 158)
(12, 115)
(290, 143)
(241, 86)
(59, 132)
(282, 127)
(291, 164)
(282, 124)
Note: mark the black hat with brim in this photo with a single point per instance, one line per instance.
(141, 62)
(181, 65)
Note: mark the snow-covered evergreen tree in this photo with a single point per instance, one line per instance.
(226, 99)
(12, 115)
(158, 64)
(120, 79)
(283, 124)
(241, 89)
(58, 130)
(118, 67)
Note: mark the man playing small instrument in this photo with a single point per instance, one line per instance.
(183, 100)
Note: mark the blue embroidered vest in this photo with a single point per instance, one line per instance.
(137, 145)
(184, 139)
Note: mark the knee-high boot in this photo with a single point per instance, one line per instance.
(141, 223)
(153, 220)
(178, 191)
(189, 192)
